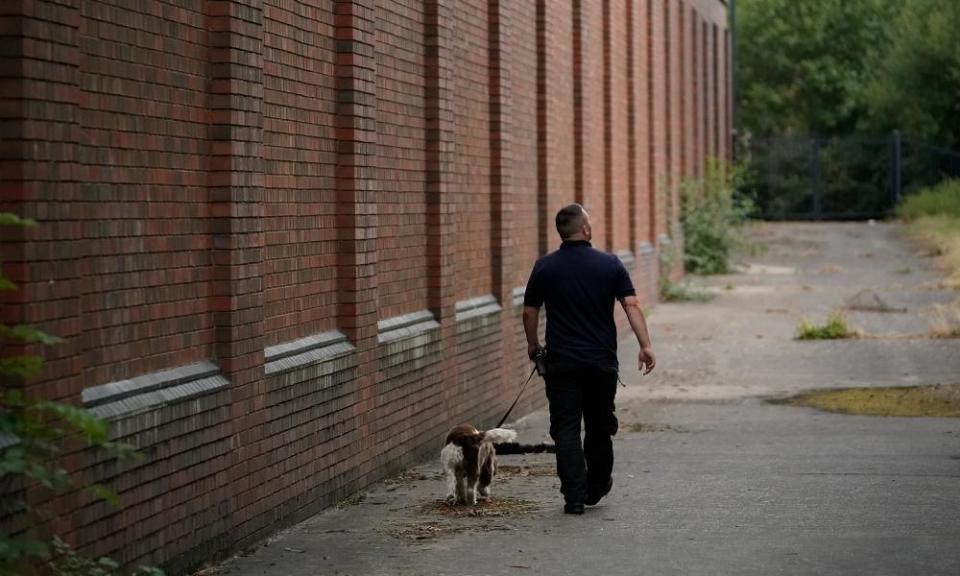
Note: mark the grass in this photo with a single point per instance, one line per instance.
(940, 401)
(933, 218)
(682, 292)
(946, 320)
(835, 329)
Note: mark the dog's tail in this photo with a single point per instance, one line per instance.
(500, 435)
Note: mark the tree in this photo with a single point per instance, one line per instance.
(803, 67)
(915, 84)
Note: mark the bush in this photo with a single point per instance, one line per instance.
(713, 214)
(940, 200)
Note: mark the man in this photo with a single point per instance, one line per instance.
(579, 286)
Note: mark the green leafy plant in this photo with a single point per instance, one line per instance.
(682, 292)
(32, 434)
(834, 329)
(713, 214)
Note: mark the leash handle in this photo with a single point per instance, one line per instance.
(512, 406)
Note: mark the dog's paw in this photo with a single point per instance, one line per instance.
(450, 499)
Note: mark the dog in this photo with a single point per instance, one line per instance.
(469, 461)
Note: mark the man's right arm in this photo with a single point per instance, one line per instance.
(531, 327)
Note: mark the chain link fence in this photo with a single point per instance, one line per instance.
(850, 178)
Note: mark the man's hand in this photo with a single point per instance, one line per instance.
(532, 350)
(648, 358)
(531, 323)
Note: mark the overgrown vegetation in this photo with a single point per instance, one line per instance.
(835, 328)
(713, 214)
(942, 200)
(933, 218)
(33, 434)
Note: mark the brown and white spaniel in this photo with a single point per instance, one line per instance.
(469, 461)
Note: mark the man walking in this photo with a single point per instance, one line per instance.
(579, 286)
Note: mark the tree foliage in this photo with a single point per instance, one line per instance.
(915, 84)
(803, 67)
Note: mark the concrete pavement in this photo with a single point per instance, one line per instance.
(712, 479)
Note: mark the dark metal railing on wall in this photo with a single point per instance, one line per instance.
(847, 178)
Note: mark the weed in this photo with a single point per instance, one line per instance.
(682, 292)
(835, 328)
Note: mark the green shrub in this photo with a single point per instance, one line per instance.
(836, 328)
(940, 200)
(712, 217)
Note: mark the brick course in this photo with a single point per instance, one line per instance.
(333, 203)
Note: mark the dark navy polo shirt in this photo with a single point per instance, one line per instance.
(579, 287)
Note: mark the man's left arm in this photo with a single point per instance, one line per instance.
(639, 324)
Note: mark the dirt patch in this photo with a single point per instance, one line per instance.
(642, 427)
(444, 520)
(424, 530)
(938, 401)
(868, 300)
(496, 507)
(411, 476)
(526, 471)
(352, 500)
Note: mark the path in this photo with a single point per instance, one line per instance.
(718, 481)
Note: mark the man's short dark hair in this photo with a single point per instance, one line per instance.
(569, 220)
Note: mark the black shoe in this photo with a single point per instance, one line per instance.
(573, 508)
(593, 497)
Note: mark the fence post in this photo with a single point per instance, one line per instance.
(815, 176)
(897, 163)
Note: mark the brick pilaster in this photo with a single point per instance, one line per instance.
(357, 312)
(501, 183)
(39, 172)
(608, 199)
(440, 166)
(235, 188)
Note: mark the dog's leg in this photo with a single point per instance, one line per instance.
(472, 479)
(452, 459)
(487, 472)
(451, 486)
(461, 487)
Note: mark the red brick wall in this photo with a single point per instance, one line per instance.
(617, 186)
(557, 186)
(142, 126)
(401, 158)
(591, 132)
(523, 206)
(642, 119)
(332, 207)
(471, 182)
(299, 163)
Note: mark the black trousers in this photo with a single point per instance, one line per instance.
(587, 394)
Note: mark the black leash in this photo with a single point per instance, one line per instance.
(512, 406)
